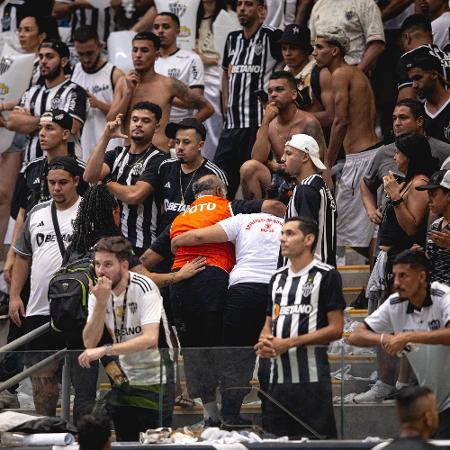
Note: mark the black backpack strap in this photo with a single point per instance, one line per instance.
(59, 238)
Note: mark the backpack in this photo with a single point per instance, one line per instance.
(68, 294)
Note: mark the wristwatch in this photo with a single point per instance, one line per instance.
(108, 350)
(396, 203)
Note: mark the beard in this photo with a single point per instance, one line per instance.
(116, 280)
(53, 74)
(92, 68)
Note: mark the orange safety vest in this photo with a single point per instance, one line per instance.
(206, 210)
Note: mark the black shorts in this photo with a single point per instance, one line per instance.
(44, 345)
(312, 403)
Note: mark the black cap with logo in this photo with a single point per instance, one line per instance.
(299, 36)
(185, 124)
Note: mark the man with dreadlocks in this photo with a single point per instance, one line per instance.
(282, 119)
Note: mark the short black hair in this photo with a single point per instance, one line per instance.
(148, 36)
(306, 226)
(415, 259)
(173, 16)
(85, 33)
(415, 106)
(285, 75)
(149, 106)
(93, 432)
(416, 22)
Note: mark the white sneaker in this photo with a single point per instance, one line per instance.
(375, 394)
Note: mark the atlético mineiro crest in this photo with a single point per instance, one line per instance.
(307, 289)
(258, 48)
(178, 9)
(348, 15)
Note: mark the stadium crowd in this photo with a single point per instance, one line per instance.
(208, 194)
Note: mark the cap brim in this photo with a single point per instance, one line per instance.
(428, 187)
(317, 162)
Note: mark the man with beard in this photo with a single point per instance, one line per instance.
(419, 312)
(99, 78)
(130, 172)
(177, 175)
(282, 119)
(130, 306)
(39, 254)
(144, 84)
(57, 92)
(427, 75)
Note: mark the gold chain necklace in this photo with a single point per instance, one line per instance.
(183, 201)
(286, 138)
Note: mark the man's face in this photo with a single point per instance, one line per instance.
(293, 242)
(293, 55)
(423, 81)
(166, 29)
(29, 36)
(50, 63)
(51, 135)
(248, 12)
(144, 55)
(434, 6)
(143, 125)
(403, 121)
(188, 145)
(107, 265)
(323, 52)
(293, 160)
(439, 201)
(89, 53)
(281, 93)
(408, 281)
(62, 185)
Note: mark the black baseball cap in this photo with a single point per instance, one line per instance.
(297, 35)
(422, 57)
(60, 117)
(67, 163)
(59, 47)
(185, 124)
(441, 178)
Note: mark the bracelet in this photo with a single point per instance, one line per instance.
(381, 339)
(108, 350)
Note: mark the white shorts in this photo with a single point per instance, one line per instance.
(353, 226)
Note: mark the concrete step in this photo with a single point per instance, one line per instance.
(353, 258)
(354, 275)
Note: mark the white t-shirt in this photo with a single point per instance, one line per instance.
(143, 306)
(280, 13)
(440, 27)
(257, 241)
(185, 66)
(38, 240)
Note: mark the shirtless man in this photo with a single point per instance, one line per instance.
(282, 119)
(144, 84)
(354, 129)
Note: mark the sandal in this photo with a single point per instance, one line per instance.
(184, 402)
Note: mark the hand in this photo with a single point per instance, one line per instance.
(440, 238)
(93, 100)
(271, 111)
(113, 128)
(264, 347)
(391, 187)
(191, 268)
(280, 345)
(21, 110)
(8, 266)
(274, 166)
(3, 121)
(91, 354)
(16, 310)
(394, 343)
(132, 80)
(101, 290)
(375, 215)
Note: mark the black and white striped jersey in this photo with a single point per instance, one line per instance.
(312, 198)
(299, 305)
(175, 187)
(249, 64)
(38, 99)
(138, 222)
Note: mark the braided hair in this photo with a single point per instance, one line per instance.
(94, 219)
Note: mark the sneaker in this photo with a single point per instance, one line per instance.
(229, 423)
(212, 423)
(376, 394)
(8, 400)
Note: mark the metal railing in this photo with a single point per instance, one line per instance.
(65, 385)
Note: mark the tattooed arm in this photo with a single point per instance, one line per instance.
(313, 129)
(192, 100)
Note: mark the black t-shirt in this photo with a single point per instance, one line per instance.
(175, 198)
(32, 186)
(438, 125)
(138, 222)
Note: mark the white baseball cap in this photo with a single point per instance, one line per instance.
(307, 144)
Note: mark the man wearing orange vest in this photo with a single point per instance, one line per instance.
(197, 303)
